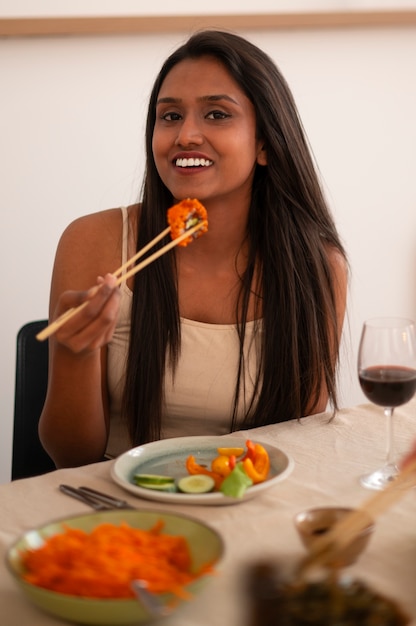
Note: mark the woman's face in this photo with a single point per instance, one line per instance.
(204, 139)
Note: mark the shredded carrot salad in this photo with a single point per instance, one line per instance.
(102, 564)
(185, 215)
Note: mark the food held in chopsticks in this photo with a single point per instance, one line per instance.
(187, 221)
(186, 215)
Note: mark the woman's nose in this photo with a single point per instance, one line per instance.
(189, 132)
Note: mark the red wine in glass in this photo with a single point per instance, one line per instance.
(388, 385)
(387, 375)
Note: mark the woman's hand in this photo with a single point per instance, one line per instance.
(92, 327)
(409, 457)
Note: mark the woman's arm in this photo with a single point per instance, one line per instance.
(74, 423)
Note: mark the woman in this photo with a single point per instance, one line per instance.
(239, 329)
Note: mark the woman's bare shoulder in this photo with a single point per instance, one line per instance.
(338, 263)
(103, 228)
(93, 225)
(91, 245)
(340, 274)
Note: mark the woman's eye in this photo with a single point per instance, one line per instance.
(217, 115)
(170, 116)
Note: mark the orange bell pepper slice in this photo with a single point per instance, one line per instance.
(250, 452)
(257, 468)
(194, 468)
(230, 451)
(223, 464)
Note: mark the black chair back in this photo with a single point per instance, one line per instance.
(28, 456)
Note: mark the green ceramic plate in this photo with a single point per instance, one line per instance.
(205, 544)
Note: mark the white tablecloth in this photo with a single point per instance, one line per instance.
(329, 458)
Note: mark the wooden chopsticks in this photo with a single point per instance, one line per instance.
(343, 532)
(62, 319)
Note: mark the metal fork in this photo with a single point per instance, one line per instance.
(96, 499)
(151, 602)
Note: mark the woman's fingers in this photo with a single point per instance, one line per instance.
(409, 456)
(93, 326)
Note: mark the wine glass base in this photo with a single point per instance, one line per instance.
(380, 478)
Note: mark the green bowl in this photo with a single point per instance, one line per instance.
(205, 544)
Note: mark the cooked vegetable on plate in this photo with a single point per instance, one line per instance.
(231, 472)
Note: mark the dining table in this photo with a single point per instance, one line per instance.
(329, 451)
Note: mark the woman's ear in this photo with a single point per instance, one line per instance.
(262, 156)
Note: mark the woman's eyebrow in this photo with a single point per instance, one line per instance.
(211, 98)
(168, 100)
(216, 98)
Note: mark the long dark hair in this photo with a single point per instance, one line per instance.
(290, 231)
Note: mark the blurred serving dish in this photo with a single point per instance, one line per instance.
(205, 547)
(330, 601)
(167, 457)
(313, 523)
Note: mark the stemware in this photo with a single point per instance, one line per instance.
(387, 375)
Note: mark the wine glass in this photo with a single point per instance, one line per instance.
(387, 375)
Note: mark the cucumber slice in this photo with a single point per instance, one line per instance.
(155, 481)
(197, 483)
(166, 488)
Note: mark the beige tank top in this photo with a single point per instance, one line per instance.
(198, 400)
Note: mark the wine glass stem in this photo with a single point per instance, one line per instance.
(388, 412)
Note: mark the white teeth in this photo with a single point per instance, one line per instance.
(193, 162)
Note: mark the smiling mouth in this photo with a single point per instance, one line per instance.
(193, 162)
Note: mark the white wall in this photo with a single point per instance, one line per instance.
(76, 8)
(71, 142)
